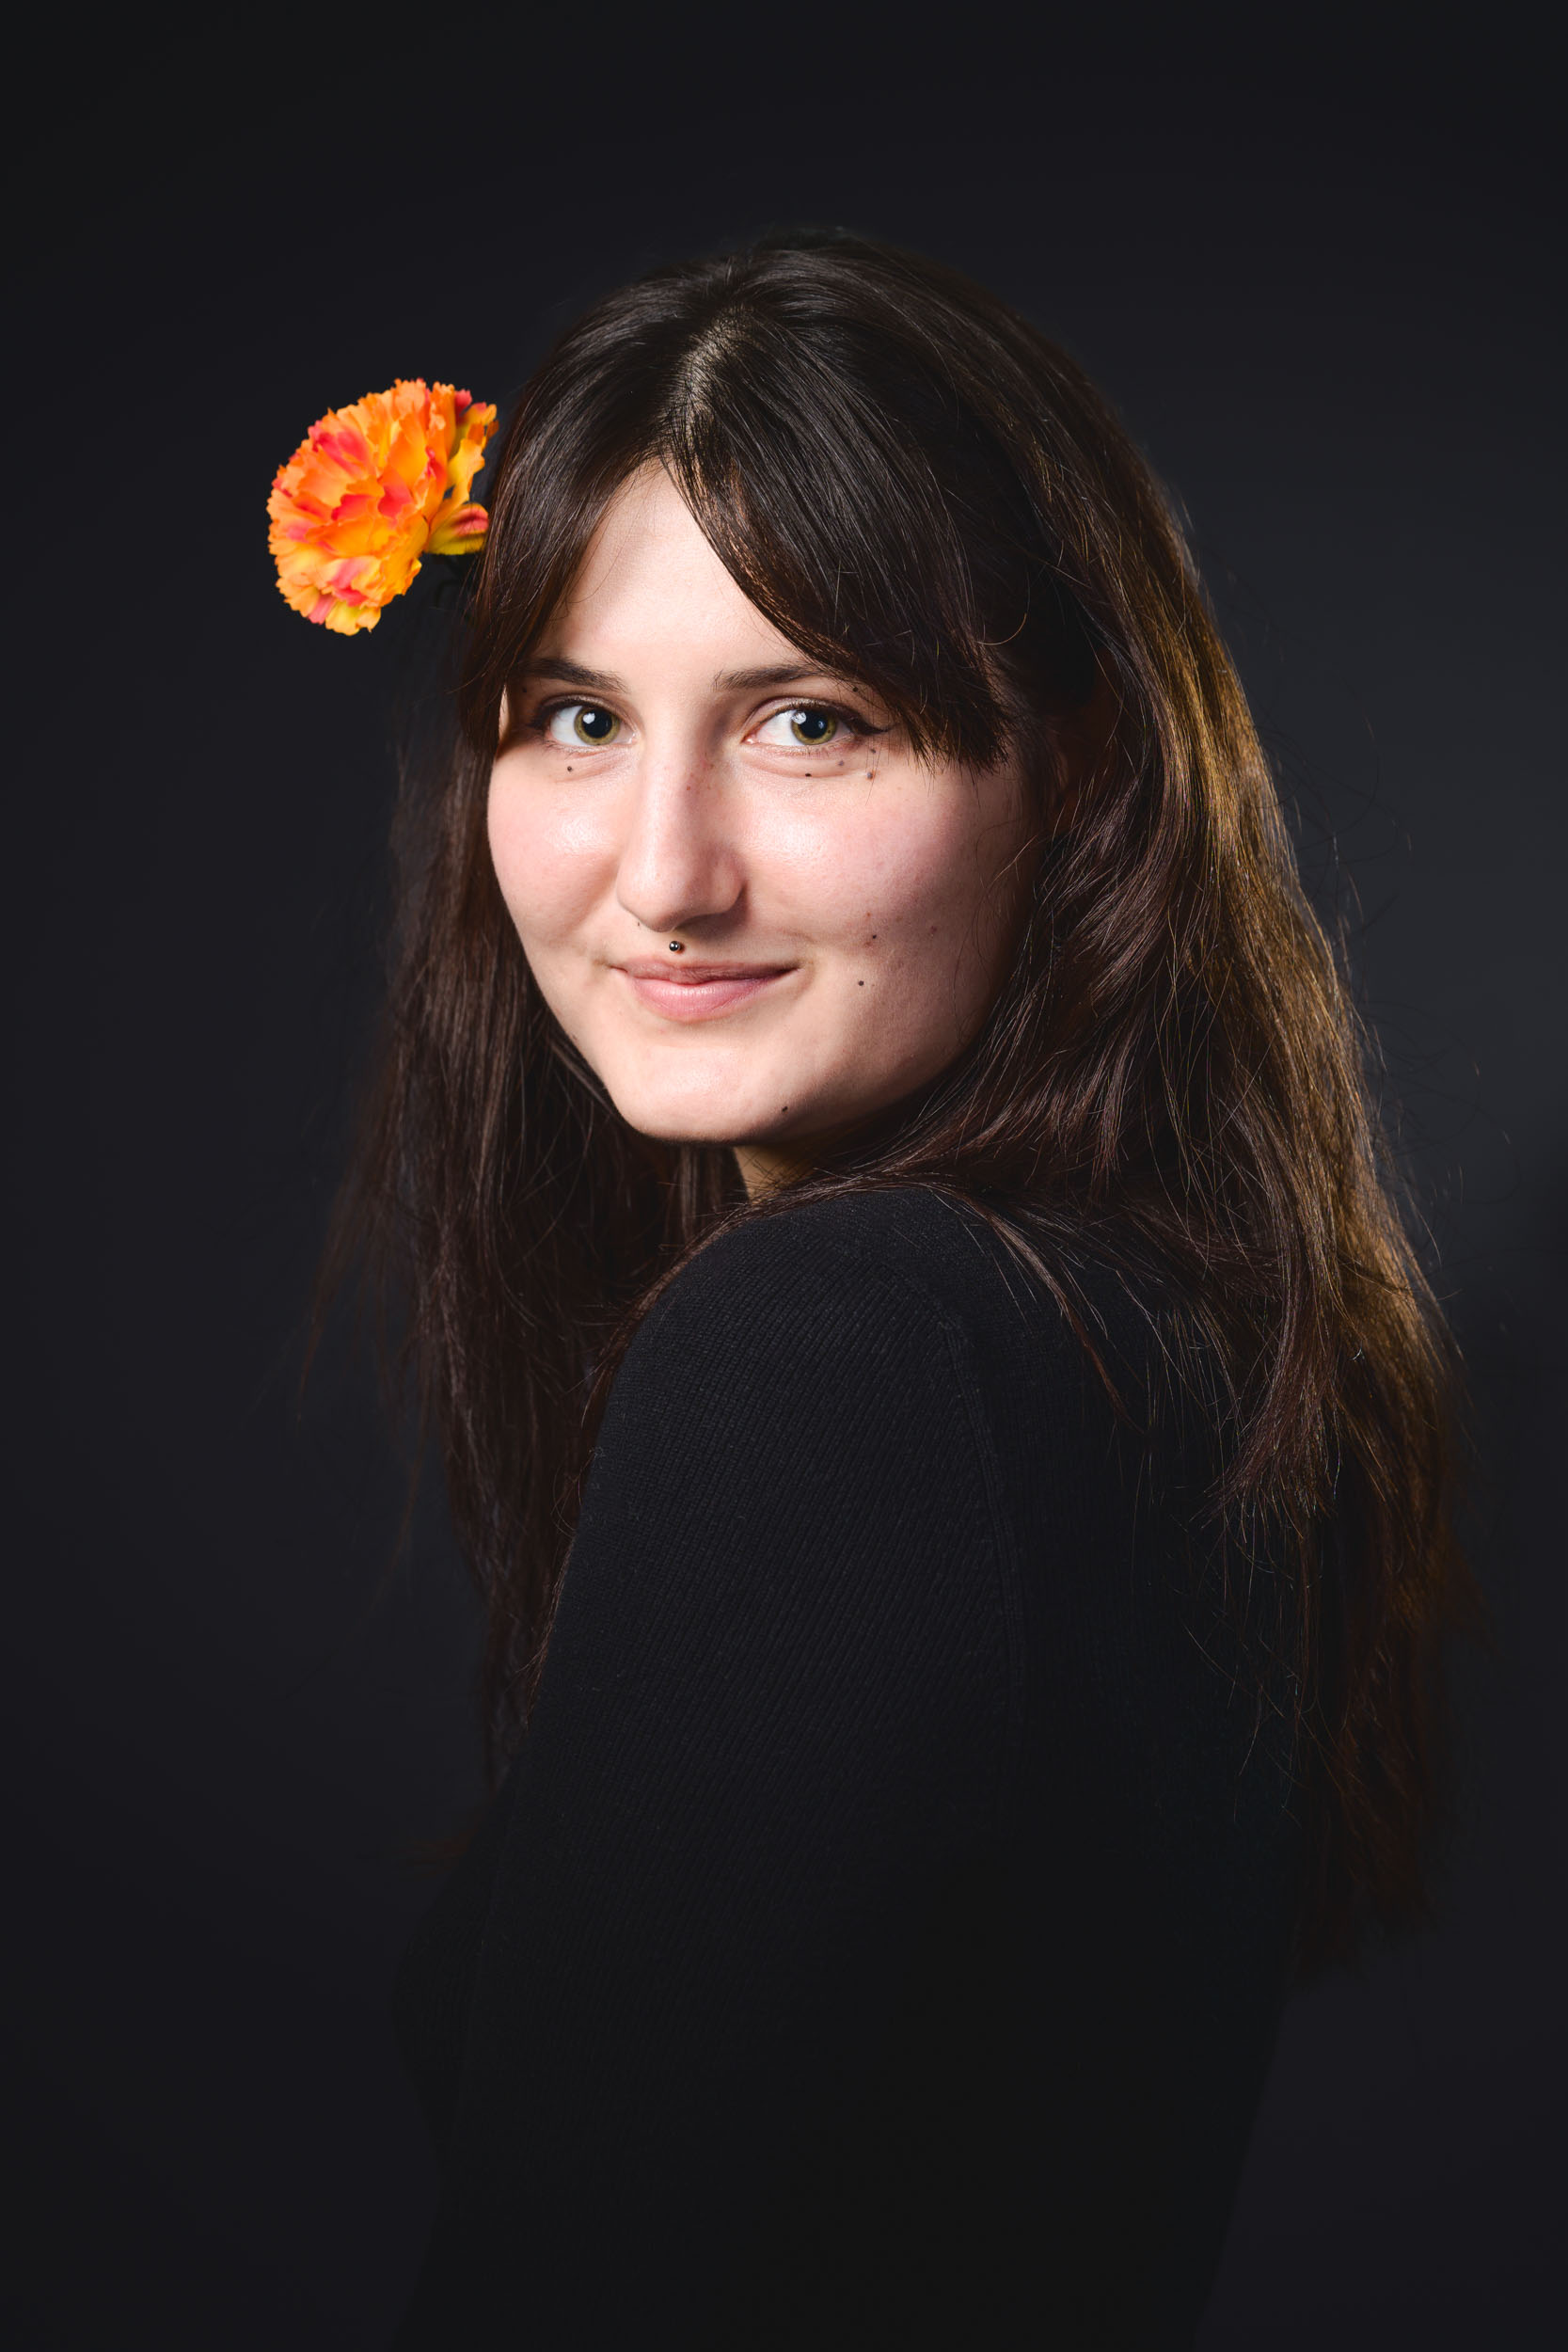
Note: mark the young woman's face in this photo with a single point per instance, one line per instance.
(756, 914)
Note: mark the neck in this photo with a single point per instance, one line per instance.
(763, 1171)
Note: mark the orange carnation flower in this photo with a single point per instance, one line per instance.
(370, 490)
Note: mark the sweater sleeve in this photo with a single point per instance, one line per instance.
(772, 1720)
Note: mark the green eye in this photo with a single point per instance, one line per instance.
(812, 726)
(593, 725)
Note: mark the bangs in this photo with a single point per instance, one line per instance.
(822, 503)
(853, 487)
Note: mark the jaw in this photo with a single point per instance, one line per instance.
(741, 1093)
(691, 1091)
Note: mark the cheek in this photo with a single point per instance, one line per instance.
(895, 876)
(548, 862)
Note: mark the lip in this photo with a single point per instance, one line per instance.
(698, 992)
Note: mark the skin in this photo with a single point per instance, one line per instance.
(845, 911)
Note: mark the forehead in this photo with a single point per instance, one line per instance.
(650, 581)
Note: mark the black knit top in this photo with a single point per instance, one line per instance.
(881, 1937)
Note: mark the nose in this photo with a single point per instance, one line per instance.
(678, 862)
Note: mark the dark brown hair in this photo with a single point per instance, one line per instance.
(918, 489)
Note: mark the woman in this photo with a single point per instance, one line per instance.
(945, 1420)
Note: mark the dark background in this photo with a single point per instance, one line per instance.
(1319, 275)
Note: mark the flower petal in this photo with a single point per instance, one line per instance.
(368, 490)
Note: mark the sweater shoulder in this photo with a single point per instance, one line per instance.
(870, 1272)
(805, 1362)
(912, 1246)
(1057, 1370)
(828, 1309)
(792, 1440)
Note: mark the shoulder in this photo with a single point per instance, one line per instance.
(803, 1312)
(861, 1269)
(789, 1453)
(868, 1284)
(882, 1336)
(832, 1342)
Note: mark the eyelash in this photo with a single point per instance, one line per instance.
(849, 719)
(860, 728)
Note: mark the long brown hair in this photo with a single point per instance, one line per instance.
(920, 490)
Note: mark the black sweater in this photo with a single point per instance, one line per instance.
(881, 1938)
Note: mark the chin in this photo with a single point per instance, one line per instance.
(689, 1115)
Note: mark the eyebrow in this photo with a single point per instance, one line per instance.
(770, 673)
(573, 673)
(728, 681)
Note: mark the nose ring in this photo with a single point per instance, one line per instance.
(676, 948)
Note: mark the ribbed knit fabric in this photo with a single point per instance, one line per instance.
(881, 1937)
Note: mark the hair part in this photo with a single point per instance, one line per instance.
(917, 488)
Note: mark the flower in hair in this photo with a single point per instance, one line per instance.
(369, 491)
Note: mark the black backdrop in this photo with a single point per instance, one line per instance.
(1320, 283)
